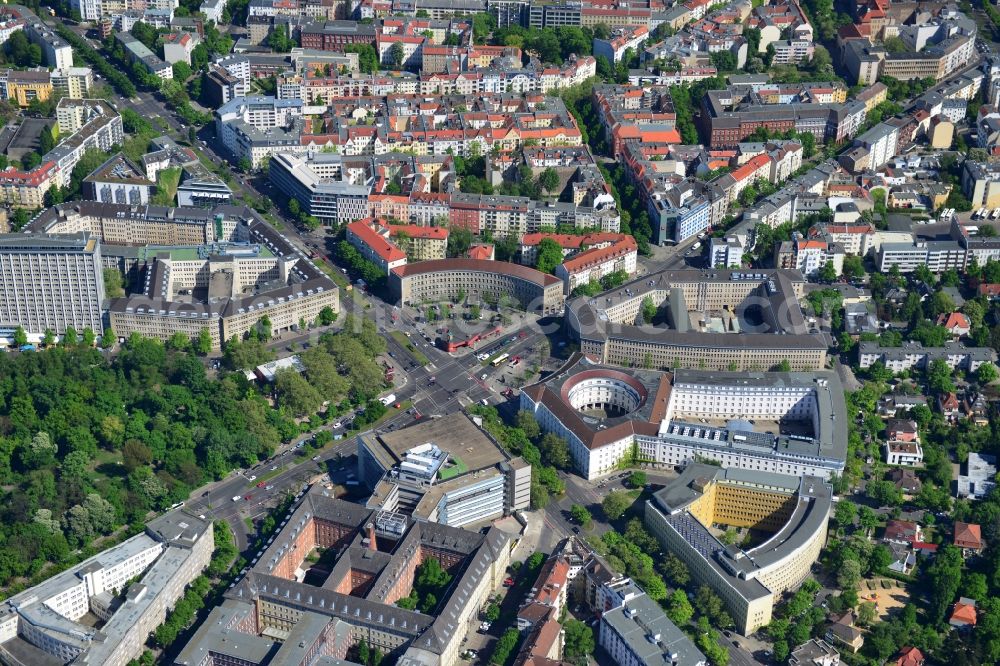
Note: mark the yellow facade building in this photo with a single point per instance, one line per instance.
(786, 515)
(25, 87)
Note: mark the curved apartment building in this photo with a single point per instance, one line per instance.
(791, 511)
(707, 319)
(443, 279)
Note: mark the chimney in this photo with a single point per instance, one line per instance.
(371, 536)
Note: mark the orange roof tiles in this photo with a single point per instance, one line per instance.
(598, 256)
(963, 614)
(481, 252)
(416, 231)
(968, 535)
(379, 245)
(751, 167)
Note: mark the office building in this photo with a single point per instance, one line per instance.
(638, 633)
(792, 511)
(322, 186)
(287, 611)
(118, 180)
(51, 282)
(128, 589)
(218, 269)
(445, 470)
(608, 414)
(716, 320)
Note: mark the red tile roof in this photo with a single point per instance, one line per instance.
(953, 320)
(598, 256)
(481, 252)
(910, 656)
(968, 535)
(751, 166)
(901, 530)
(378, 244)
(963, 614)
(416, 231)
(501, 267)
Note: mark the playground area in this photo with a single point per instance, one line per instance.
(889, 595)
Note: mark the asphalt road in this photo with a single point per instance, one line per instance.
(216, 500)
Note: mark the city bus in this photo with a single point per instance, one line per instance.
(498, 361)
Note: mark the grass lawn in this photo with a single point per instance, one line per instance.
(341, 281)
(459, 467)
(167, 181)
(391, 412)
(404, 341)
(490, 360)
(274, 221)
(339, 278)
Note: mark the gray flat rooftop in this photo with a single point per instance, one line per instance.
(830, 438)
(455, 434)
(812, 509)
(640, 618)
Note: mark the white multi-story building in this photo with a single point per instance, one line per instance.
(881, 144)
(696, 421)
(621, 40)
(811, 255)
(638, 633)
(74, 82)
(50, 282)
(172, 552)
(938, 256)
(90, 10)
(903, 453)
(420, 479)
(178, 46)
(914, 355)
(592, 265)
(725, 253)
(258, 127)
(792, 52)
(212, 9)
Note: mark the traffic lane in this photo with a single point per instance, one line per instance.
(240, 485)
(738, 656)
